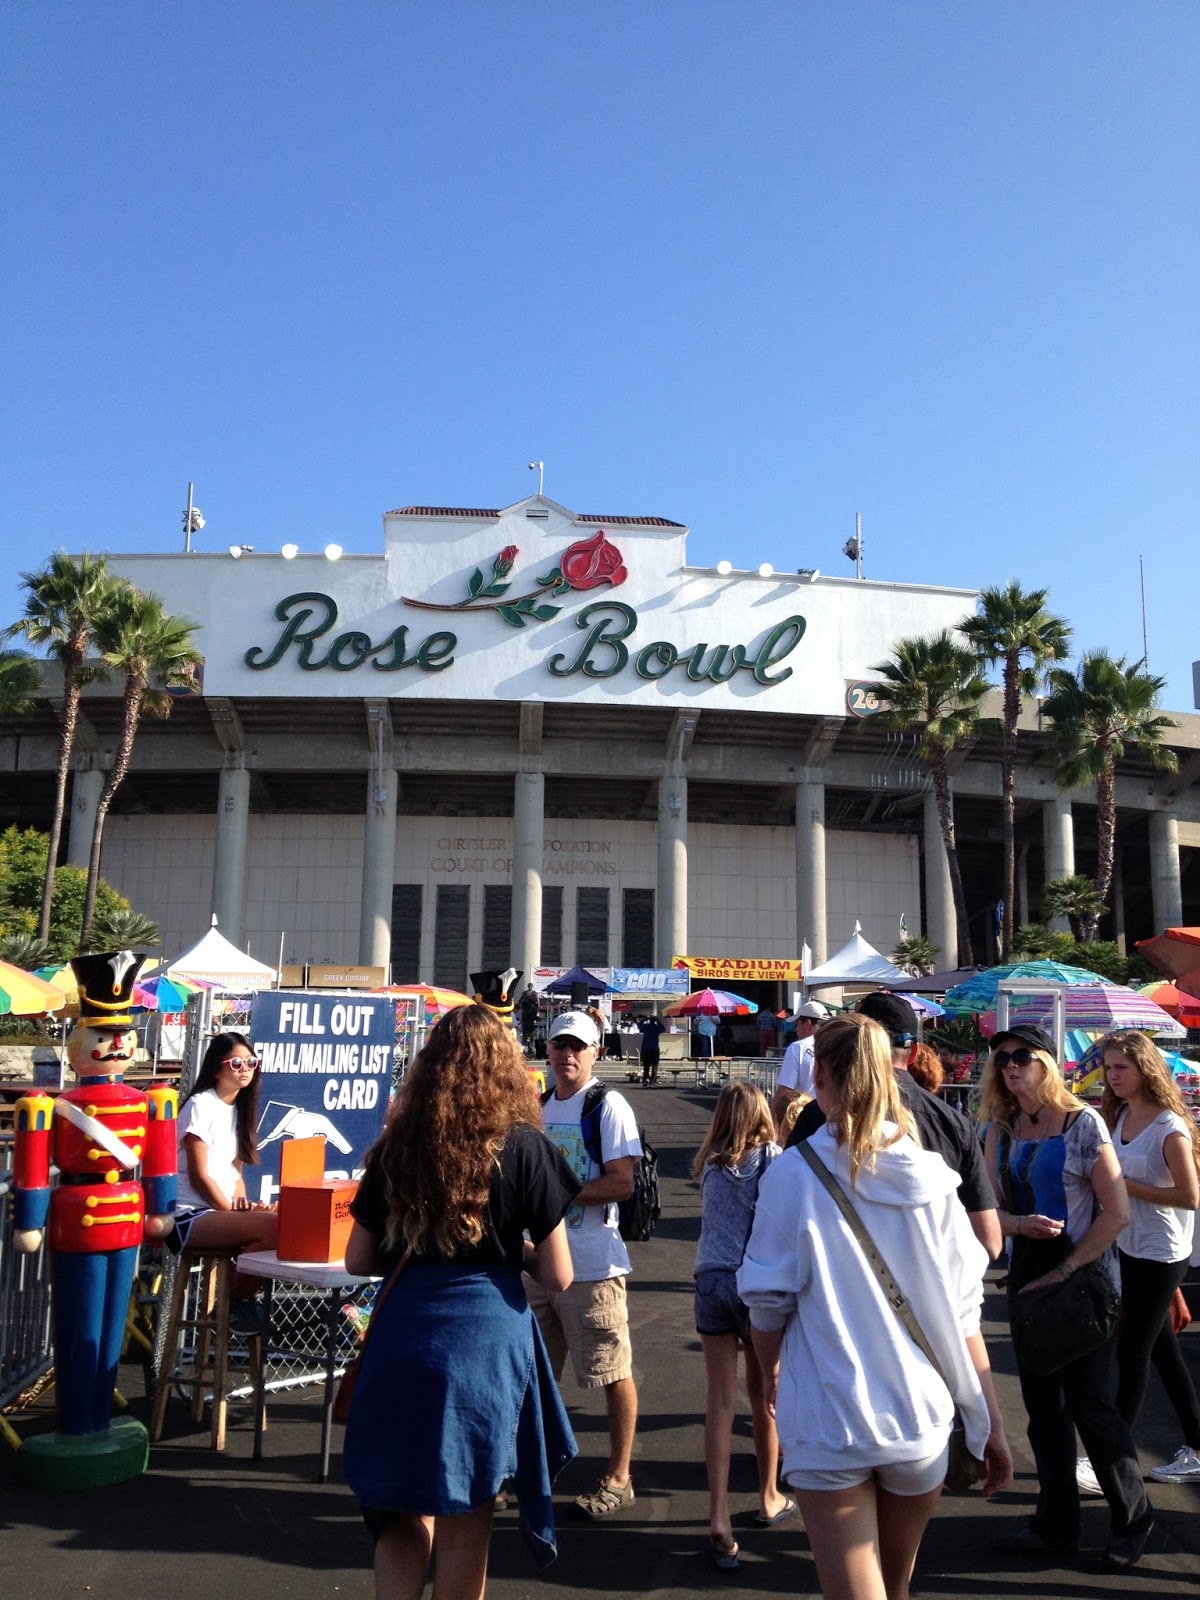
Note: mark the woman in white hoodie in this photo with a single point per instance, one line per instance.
(863, 1418)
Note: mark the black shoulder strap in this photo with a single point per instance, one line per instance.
(589, 1120)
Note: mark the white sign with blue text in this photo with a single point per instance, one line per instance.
(326, 1069)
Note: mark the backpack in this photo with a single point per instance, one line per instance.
(637, 1215)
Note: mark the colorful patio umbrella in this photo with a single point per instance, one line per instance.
(922, 1005)
(1099, 1010)
(712, 1003)
(979, 993)
(1177, 953)
(164, 994)
(1175, 1002)
(436, 1000)
(25, 994)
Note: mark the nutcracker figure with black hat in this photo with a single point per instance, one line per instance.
(97, 1135)
(496, 989)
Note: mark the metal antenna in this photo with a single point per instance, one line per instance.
(1145, 646)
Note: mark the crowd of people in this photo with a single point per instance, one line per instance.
(845, 1232)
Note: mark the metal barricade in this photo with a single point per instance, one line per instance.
(24, 1304)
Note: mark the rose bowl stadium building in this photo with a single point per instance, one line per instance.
(535, 737)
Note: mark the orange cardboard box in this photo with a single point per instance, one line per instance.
(314, 1211)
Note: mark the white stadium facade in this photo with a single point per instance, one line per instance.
(537, 737)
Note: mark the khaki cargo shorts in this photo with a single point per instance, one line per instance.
(591, 1320)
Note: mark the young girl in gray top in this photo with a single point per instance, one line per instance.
(737, 1151)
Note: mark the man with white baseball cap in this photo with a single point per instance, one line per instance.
(796, 1070)
(597, 1133)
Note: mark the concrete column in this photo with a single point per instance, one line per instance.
(529, 839)
(378, 869)
(941, 922)
(1058, 837)
(672, 869)
(85, 797)
(229, 855)
(810, 869)
(1021, 914)
(1165, 886)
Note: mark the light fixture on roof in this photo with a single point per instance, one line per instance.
(289, 552)
(853, 548)
(724, 568)
(809, 574)
(237, 551)
(766, 570)
(333, 552)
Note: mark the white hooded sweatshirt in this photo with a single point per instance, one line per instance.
(854, 1390)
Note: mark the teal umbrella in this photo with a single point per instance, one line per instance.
(979, 993)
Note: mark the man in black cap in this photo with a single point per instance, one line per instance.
(939, 1126)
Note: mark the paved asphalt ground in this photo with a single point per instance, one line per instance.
(203, 1527)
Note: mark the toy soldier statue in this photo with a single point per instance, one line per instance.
(97, 1135)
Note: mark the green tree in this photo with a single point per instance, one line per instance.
(63, 603)
(156, 653)
(24, 950)
(934, 685)
(20, 680)
(917, 955)
(23, 853)
(1075, 897)
(124, 930)
(1014, 629)
(1097, 712)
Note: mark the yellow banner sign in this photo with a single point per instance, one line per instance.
(750, 969)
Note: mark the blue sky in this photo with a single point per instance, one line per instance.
(753, 267)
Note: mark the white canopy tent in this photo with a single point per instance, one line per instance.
(214, 960)
(856, 962)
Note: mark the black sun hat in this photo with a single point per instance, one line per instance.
(1029, 1033)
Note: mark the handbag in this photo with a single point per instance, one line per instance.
(349, 1379)
(963, 1469)
(1062, 1322)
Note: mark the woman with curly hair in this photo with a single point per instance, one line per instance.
(1063, 1203)
(455, 1393)
(1158, 1146)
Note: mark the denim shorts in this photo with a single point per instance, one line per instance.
(718, 1309)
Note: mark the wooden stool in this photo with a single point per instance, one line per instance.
(210, 1327)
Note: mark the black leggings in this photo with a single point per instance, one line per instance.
(1146, 1335)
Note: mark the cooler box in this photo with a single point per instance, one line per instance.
(314, 1211)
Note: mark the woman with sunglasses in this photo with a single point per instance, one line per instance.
(1158, 1146)
(216, 1139)
(1062, 1203)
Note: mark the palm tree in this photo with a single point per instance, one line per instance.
(1076, 898)
(156, 652)
(1097, 712)
(1014, 627)
(935, 684)
(125, 930)
(916, 954)
(62, 604)
(20, 680)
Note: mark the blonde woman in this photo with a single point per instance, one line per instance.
(1063, 1203)
(863, 1418)
(1158, 1146)
(737, 1150)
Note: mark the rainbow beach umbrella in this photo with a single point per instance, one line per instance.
(25, 994)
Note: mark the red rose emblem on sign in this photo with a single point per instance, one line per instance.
(591, 562)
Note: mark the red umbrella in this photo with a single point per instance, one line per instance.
(1183, 1007)
(1177, 953)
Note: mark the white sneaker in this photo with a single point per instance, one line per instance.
(1085, 1478)
(1184, 1467)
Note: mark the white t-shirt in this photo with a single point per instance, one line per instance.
(597, 1248)
(1155, 1233)
(796, 1072)
(209, 1119)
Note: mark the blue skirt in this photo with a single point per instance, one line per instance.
(455, 1395)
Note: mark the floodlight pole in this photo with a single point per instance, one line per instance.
(187, 523)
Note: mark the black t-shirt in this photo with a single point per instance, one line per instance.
(531, 1188)
(939, 1127)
